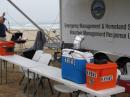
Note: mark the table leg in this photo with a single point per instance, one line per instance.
(34, 83)
(1, 71)
(5, 63)
(13, 66)
(43, 86)
(37, 86)
(28, 84)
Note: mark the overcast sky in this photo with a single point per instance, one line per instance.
(41, 11)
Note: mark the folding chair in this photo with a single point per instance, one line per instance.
(43, 58)
(36, 57)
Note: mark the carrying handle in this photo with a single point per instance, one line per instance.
(71, 52)
(76, 53)
(4, 46)
(80, 54)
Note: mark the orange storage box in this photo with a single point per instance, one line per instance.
(101, 76)
(6, 48)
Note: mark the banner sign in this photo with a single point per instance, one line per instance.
(105, 24)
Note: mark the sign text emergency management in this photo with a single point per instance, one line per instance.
(103, 30)
(98, 26)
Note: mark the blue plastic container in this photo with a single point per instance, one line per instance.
(74, 65)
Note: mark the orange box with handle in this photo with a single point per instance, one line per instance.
(101, 76)
(6, 48)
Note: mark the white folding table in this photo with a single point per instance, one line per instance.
(54, 73)
(18, 60)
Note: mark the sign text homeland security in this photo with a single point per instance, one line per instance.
(98, 26)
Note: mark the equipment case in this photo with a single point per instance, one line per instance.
(74, 65)
(6, 48)
(101, 76)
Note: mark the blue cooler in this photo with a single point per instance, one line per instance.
(74, 65)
